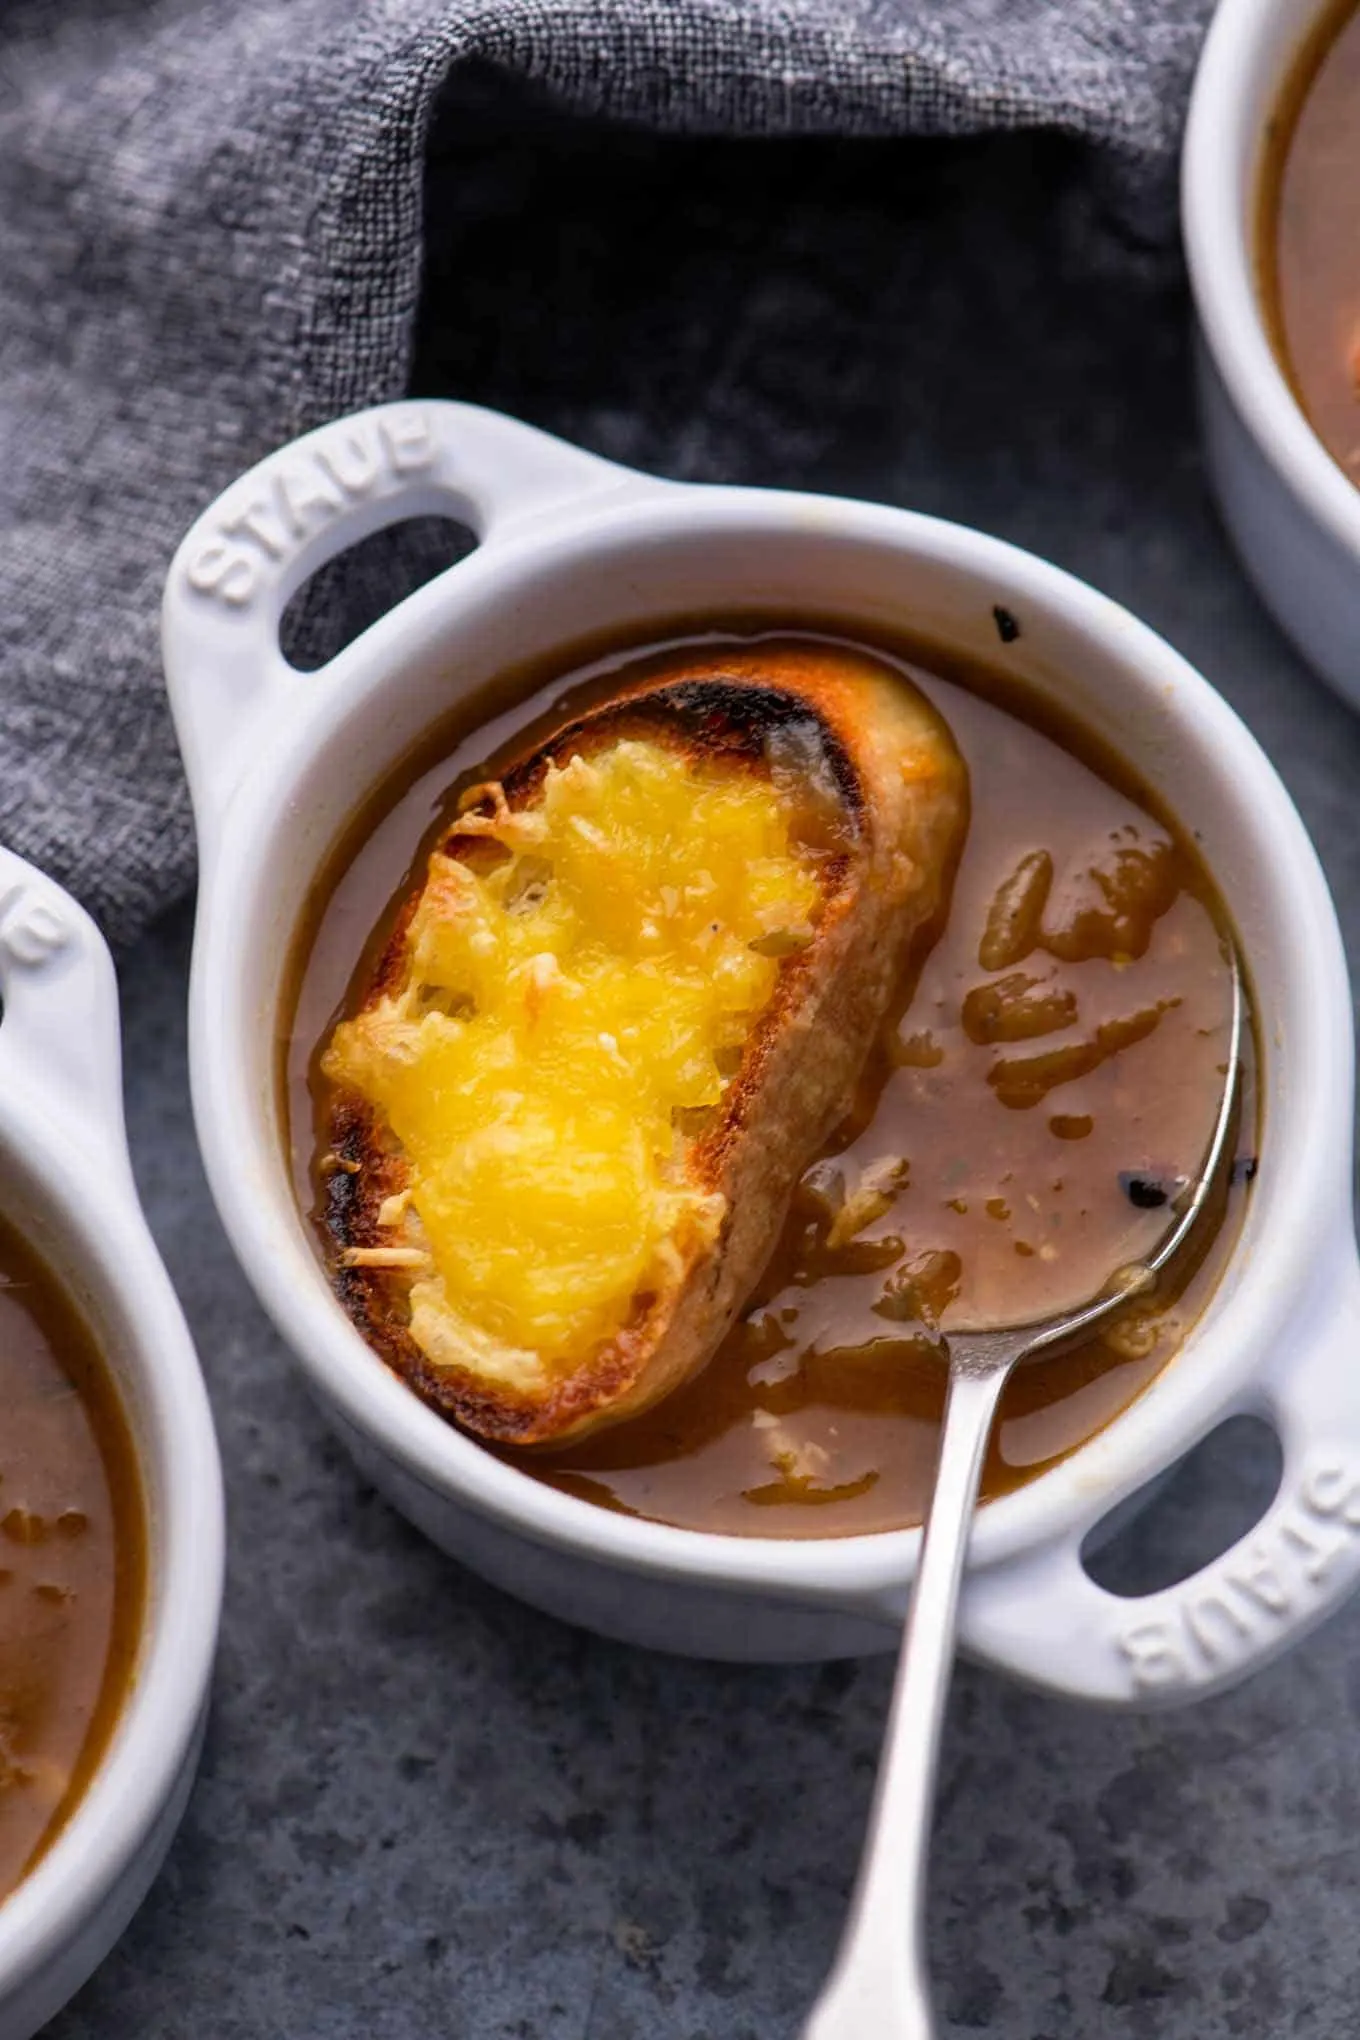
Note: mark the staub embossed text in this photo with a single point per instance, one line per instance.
(291, 497)
(1219, 1616)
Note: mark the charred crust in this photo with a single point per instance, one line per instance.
(367, 1169)
(720, 716)
(340, 1190)
(508, 1418)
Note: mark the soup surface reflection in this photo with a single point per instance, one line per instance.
(1046, 1083)
(72, 1561)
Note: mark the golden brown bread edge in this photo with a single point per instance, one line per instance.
(901, 790)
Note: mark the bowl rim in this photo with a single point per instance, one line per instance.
(1247, 58)
(110, 1248)
(342, 1369)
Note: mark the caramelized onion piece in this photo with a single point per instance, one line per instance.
(1016, 913)
(1022, 1081)
(1017, 1008)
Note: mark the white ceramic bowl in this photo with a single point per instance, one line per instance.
(66, 1183)
(1292, 513)
(279, 761)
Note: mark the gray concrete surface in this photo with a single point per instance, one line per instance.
(425, 1811)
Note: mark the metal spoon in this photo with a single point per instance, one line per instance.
(879, 1987)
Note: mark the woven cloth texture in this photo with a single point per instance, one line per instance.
(212, 238)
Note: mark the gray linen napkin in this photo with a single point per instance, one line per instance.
(211, 239)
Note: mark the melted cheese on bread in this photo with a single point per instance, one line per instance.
(565, 1014)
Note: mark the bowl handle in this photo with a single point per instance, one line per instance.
(236, 571)
(59, 1037)
(1044, 1618)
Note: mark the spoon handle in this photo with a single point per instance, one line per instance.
(879, 1988)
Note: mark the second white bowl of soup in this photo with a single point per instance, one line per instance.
(111, 1518)
(1270, 171)
(1061, 1041)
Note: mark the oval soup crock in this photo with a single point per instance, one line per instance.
(570, 548)
(66, 1184)
(1291, 512)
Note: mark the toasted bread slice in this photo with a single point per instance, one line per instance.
(621, 1015)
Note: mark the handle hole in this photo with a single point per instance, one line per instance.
(366, 580)
(1189, 1515)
